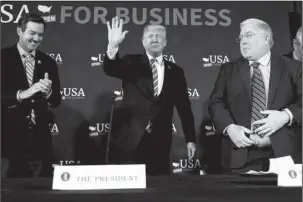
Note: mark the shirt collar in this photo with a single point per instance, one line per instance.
(263, 60)
(159, 58)
(22, 51)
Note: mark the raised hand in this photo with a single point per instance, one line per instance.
(115, 32)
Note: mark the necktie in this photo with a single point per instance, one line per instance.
(29, 67)
(155, 89)
(258, 95)
(155, 76)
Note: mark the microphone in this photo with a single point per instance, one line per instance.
(118, 95)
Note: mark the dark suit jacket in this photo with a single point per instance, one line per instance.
(230, 102)
(139, 104)
(289, 55)
(15, 115)
(298, 141)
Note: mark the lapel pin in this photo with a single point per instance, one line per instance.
(39, 61)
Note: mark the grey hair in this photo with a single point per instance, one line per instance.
(161, 27)
(261, 25)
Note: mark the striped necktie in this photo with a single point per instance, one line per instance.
(155, 76)
(258, 95)
(155, 89)
(29, 68)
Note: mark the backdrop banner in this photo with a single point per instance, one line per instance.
(201, 37)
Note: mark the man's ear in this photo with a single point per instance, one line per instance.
(19, 31)
(266, 39)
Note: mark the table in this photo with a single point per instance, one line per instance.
(187, 188)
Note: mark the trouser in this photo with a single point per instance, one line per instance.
(257, 160)
(27, 164)
(25, 168)
(149, 152)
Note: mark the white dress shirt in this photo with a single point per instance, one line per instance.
(22, 52)
(160, 68)
(264, 67)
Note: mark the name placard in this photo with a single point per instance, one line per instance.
(83, 177)
(290, 176)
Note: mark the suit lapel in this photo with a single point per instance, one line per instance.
(20, 69)
(244, 72)
(166, 78)
(38, 68)
(275, 75)
(146, 83)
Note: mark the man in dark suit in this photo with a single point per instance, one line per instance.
(152, 87)
(29, 85)
(297, 52)
(256, 102)
(298, 46)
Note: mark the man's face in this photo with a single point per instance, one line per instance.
(298, 47)
(31, 37)
(253, 42)
(154, 40)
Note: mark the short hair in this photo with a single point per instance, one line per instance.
(30, 17)
(261, 25)
(153, 25)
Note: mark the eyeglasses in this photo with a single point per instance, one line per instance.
(247, 36)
